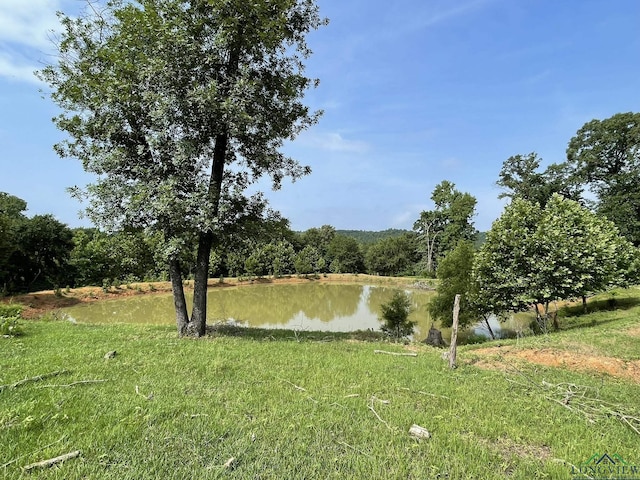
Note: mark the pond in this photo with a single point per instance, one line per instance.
(307, 307)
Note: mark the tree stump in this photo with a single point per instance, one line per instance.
(434, 338)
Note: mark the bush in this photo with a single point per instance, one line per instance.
(10, 310)
(9, 316)
(395, 316)
(9, 327)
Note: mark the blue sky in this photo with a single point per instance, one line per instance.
(414, 92)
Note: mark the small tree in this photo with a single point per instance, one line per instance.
(395, 316)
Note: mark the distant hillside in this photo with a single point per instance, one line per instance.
(366, 237)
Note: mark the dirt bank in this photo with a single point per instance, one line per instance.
(501, 357)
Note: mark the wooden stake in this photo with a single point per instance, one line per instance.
(454, 332)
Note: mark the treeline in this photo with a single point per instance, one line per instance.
(368, 237)
(40, 252)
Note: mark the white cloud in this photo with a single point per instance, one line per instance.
(25, 32)
(16, 68)
(448, 13)
(28, 22)
(333, 142)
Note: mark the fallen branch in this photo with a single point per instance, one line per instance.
(373, 398)
(33, 379)
(52, 461)
(32, 453)
(297, 387)
(397, 354)
(353, 448)
(73, 384)
(582, 400)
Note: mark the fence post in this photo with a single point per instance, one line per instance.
(454, 332)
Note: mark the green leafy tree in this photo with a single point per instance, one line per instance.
(178, 106)
(11, 217)
(439, 230)
(392, 256)
(309, 260)
(534, 256)
(520, 178)
(320, 239)
(395, 316)
(41, 260)
(122, 256)
(605, 155)
(344, 255)
(454, 275)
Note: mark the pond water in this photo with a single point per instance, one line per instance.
(309, 307)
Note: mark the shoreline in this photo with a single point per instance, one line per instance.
(37, 304)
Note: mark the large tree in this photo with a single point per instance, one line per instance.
(11, 218)
(178, 106)
(520, 178)
(534, 256)
(439, 230)
(605, 155)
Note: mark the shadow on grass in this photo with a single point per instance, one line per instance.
(573, 316)
(252, 333)
(602, 304)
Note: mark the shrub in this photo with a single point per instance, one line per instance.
(9, 316)
(395, 316)
(10, 310)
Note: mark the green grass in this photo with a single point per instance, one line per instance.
(290, 406)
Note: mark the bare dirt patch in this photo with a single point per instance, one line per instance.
(499, 357)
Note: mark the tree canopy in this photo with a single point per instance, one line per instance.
(520, 178)
(536, 255)
(178, 106)
(605, 155)
(440, 229)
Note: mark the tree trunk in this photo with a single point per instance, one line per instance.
(486, 321)
(198, 324)
(179, 302)
(584, 304)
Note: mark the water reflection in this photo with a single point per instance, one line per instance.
(312, 306)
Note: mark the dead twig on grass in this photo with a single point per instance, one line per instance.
(52, 461)
(298, 387)
(582, 400)
(373, 399)
(32, 453)
(340, 442)
(73, 384)
(397, 354)
(37, 378)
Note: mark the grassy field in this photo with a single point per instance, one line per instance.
(262, 405)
